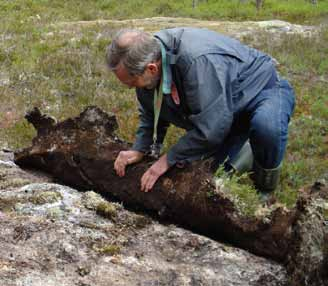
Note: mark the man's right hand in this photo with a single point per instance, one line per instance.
(125, 158)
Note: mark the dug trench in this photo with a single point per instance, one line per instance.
(81, 151)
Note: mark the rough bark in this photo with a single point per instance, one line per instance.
(80, 152)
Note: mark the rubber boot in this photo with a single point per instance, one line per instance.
(243, 161)
(266, 180)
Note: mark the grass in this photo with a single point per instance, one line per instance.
(303, 62)
(45, 11)
(240, 190)
(62, 71)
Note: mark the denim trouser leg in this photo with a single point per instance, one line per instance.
(264, 122)
(270, 114)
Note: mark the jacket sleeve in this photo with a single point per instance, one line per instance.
(144, 134)
(204, 85)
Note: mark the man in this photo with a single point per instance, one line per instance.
(226, 95)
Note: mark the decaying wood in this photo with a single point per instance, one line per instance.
(81, 152)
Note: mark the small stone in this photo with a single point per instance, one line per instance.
(318, 185)
(83, 270)
(115, 260)
(173, 234)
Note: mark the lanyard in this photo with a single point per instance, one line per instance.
(164, 88)
(158, 99)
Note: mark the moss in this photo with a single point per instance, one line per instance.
(47, 197)
(106, 210)
(14, 183)
(325, 214)
(110, 249)
(240, 189)
(89, 225)
(8, 204)
(94, 201)
(141, 221)
(91, 200)
(323, 209)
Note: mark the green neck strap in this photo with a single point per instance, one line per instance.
(164, 88)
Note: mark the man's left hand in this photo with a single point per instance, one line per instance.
(150, 177)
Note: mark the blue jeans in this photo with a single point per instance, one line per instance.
(264, 122)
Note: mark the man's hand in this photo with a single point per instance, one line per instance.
(125, 158)
(150, 177)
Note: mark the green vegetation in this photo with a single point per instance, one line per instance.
(106, 209)
(110, 249)
(46, 11)
(46, 197)
(60, 68)
(303, 60)
(8, 204)
(240, 190)
(6, 181)
(95, 202)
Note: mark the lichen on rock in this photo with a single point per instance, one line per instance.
(47, 197)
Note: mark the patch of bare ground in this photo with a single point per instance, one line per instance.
(235, 29)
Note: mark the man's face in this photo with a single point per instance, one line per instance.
(149, 79)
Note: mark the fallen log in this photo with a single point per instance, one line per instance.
(81, 152)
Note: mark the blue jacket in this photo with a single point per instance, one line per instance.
(216, 77)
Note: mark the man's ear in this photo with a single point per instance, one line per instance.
(153, 68)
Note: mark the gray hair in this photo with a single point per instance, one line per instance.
(134, 49)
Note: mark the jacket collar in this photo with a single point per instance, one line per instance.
(171, 39)
(169, 43)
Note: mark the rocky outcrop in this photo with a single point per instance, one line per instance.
(235, 29)
(80, 152)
